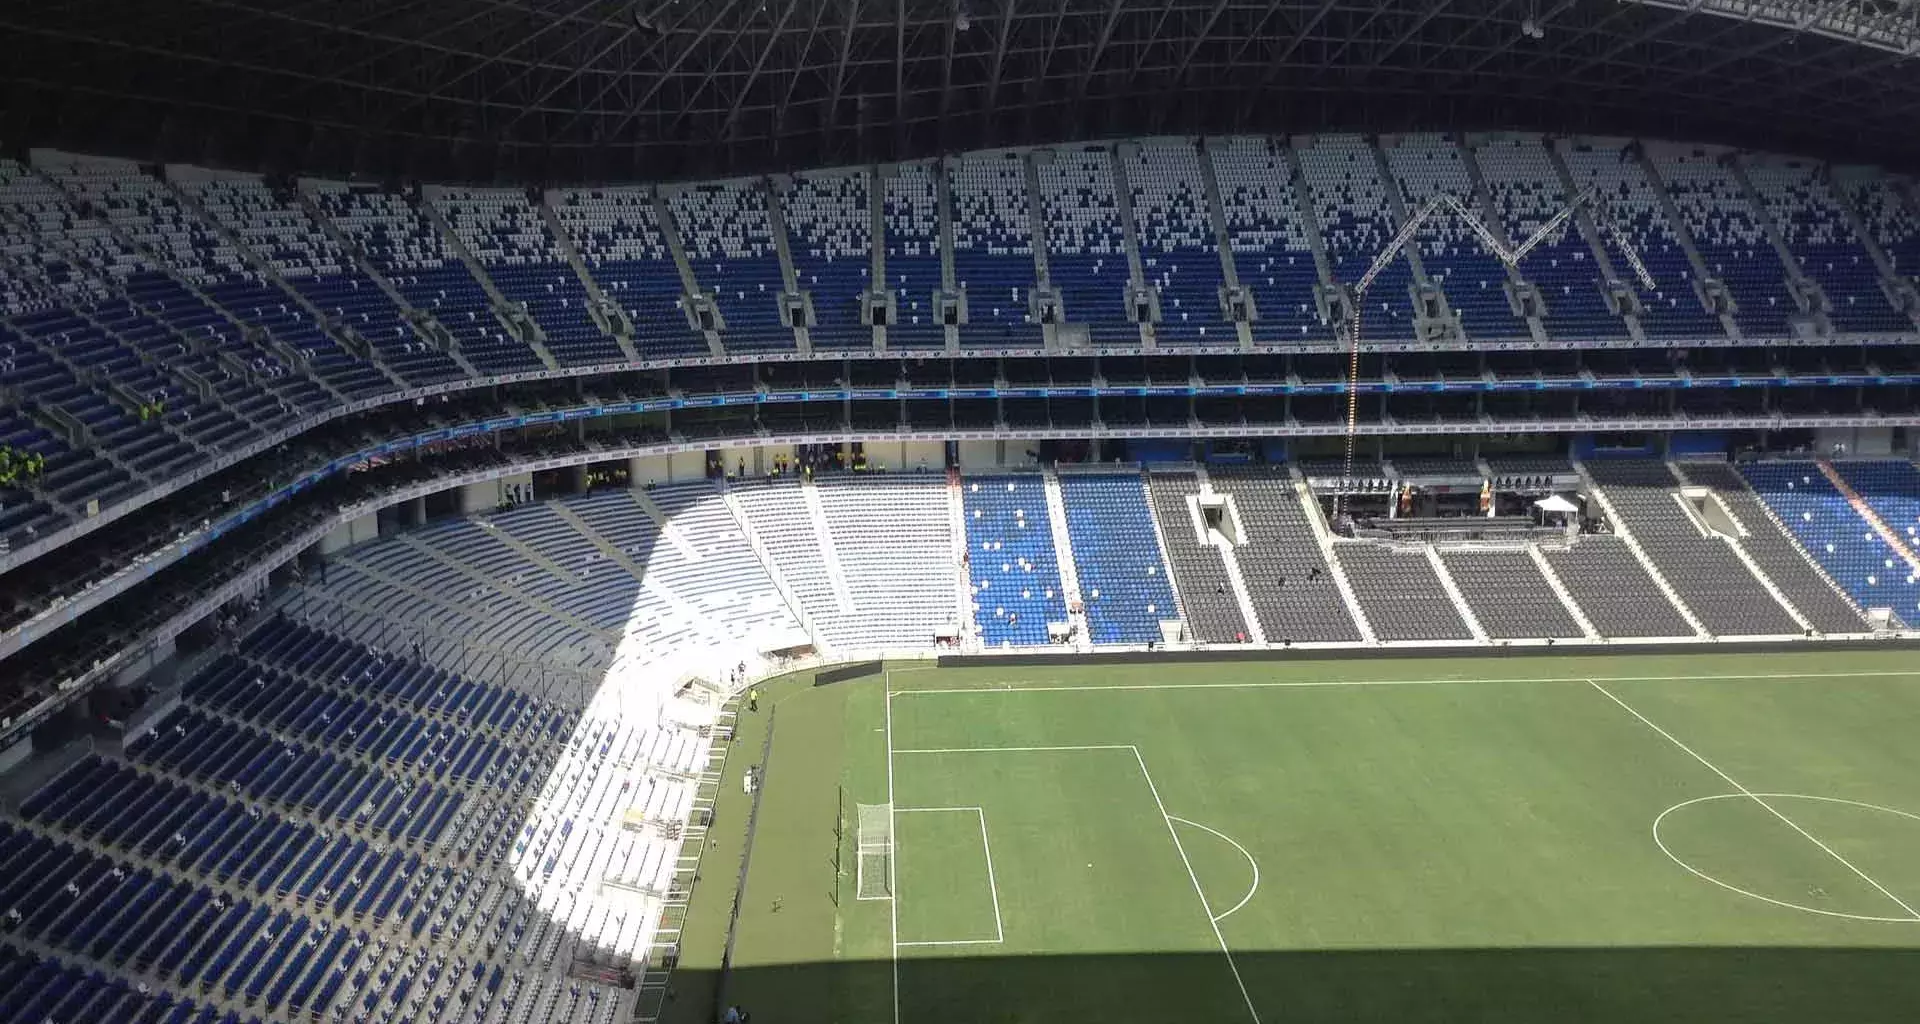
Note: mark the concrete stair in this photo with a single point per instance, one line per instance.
(529, 334)
(836, 574)
(1560, 590)
(765, 556)
(1063, 556)
(1453, 592)
(957, 534)
(1235, 578)
(1866, 512)
(415, 317)
(1619, 527)
(564, 243)
(1740, 552)
(1317, 518)
(267, 270)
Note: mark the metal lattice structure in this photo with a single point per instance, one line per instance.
(602, 90)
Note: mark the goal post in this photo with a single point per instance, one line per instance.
(873, 852)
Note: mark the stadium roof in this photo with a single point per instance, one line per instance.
(601, 90)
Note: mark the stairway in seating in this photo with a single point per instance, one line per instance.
(1740, 552)
(565, 244)
(1866, 512)
(962, 576)
(765, 556)
(1560, 590)
(1255, 631)
(1619, 527)
(1063, 556)
(531, 336)
(1453, 592)
(829, 555)
(1317, 518)
(448, 559)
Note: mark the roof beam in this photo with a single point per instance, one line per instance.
(680, 58)
(899, 76)
(773, 38)
(1255, 96)
(832, 120)
(1099, 49)
(799, 69)
(614, 81)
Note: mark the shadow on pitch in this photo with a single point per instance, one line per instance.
(1500, 986)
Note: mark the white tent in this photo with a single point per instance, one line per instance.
(1555, 503)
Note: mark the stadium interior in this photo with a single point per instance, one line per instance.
(402, 510)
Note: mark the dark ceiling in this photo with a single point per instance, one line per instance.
(602, 90)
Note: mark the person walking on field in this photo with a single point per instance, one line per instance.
(753, 699)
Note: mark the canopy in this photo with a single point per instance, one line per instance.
(1555, 503)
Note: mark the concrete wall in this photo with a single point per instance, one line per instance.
(976, 455)
(688, 466)
(358, 531)
(1860, 442)
(650, 469)
(15, 754)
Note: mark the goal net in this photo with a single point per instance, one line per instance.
(873, 852)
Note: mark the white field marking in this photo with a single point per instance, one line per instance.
(1757, 798)
(1166, 819)
(1288, 684)
(1754, 895)
(1243, 852)
(1212, 921)
(986, 847)
(893, 873)
(1011, 750)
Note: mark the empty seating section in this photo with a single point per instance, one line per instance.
(1728, 236)
(911, 205)
(993, 247)
(1271, 251)
(1892, 489)
(326, 831)
(829, 218)
(306, 257)
(893, 536)
(700, 561)
(1508, 595)
(119, 313)
(1086, 247)
(730, 247)
(1179, 253)
(1812, 593)
(1116, 556)
(1821, 240)
(1400, 594)
(1844, 544)
(1206, 596)
(1015, 574)
(1427, 165)
(1357, 222)
(1702, 568)
(1527, 194)
(1614, 591)
(1886, 214)
(1287, 576)
(505, 234)
(618, 237)
(149, 213)
(1627, 203)
(406, 248)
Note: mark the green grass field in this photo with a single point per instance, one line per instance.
(1629, 838)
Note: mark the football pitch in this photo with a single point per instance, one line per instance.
(1622, 838)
